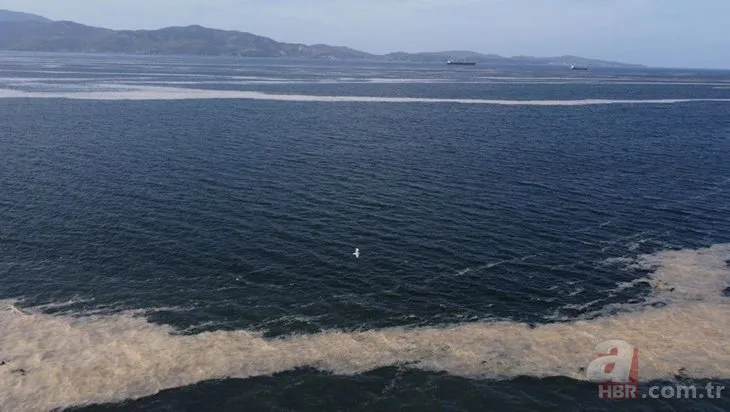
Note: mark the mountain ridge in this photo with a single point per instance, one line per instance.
(27, 32)
(9, 15)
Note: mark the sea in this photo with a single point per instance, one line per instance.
(178, 234)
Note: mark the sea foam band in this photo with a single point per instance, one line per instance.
(175, 93)
(56, 361)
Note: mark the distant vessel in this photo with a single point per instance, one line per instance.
(460, 62)
(574, 67)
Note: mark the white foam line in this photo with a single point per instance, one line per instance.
(365, 80)
(171, 93)
(58, 361)
(421, 81)
(143, 74)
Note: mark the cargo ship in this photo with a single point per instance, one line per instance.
(574, 67)
(460, 62)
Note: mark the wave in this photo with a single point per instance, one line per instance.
(122, 92)
(57, 361)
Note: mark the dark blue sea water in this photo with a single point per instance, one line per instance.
(204, 216)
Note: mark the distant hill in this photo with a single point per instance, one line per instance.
(444, 55)
(26, 32)
(501, 60)
(65, 36)
(568, 59)
(7, 15)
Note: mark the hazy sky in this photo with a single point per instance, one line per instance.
(679, 33)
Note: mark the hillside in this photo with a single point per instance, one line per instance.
(26, 32)
(7, 15)
(495, 59)
(64, 36)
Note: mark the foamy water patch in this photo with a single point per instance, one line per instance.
(108, 73)
(159, 79)
(55, 361)
(136, 92)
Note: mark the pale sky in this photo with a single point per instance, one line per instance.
(673, 33)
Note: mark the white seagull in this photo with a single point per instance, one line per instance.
(357, 253)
